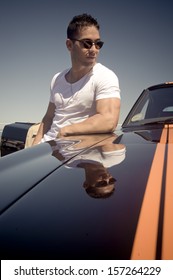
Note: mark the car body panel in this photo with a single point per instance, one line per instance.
(56, 218)
(38, 161)
(14, 171)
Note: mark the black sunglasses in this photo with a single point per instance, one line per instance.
(87, 43)
(101, 183)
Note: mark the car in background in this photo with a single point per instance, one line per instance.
(17, 136)
(103, 196)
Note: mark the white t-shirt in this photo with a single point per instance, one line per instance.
(76, 102)
(107, 159)
(68, 151)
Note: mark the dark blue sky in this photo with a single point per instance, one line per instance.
(138, 47)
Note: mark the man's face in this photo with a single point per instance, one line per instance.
(80, 54)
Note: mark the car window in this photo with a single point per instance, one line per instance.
(152, 104)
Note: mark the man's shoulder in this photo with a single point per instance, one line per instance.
(102, 72)
(57, 77)
(100, 68)
(60, 74)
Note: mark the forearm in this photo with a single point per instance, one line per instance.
(39, 135)
(44, 127)
(46, 123)
(96, 124)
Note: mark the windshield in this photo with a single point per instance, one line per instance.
(153, 106)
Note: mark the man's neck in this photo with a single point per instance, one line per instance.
(75, 74)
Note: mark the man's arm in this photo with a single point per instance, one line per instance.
(104, 121)
(46, 123)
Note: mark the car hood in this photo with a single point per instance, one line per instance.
(57, 214)
(23, 170)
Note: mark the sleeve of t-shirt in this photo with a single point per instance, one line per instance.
(52, 85)
(107, 85)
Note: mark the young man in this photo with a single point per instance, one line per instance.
(85, 98)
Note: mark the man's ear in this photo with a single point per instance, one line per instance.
(69, 44)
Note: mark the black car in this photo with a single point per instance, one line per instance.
(104, 196)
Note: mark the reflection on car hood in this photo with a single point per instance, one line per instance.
(21, 171)
(89, 197)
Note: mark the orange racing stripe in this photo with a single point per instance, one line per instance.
(145, 242)
(167, 243)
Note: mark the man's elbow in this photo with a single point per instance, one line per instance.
(112, 123)
(112, 126)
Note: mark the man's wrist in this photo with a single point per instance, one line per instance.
(62, 132)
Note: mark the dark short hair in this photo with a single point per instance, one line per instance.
(78, 22)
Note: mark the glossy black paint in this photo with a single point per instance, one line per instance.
(53, 216)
